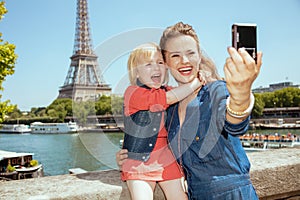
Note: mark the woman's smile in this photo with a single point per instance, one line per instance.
(185, 70)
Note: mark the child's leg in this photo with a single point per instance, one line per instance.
(173, 189)
(141, 189)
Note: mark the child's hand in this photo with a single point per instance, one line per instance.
(121, 157)
(203, 76)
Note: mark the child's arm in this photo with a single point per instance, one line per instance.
(181, 92)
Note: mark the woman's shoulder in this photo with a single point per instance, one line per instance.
(216, 84)
(217, 88)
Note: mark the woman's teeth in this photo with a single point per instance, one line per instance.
(185, 70)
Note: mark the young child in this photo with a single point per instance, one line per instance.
(150, 160)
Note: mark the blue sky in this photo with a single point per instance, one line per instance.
(44, 31)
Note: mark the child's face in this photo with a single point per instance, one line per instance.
(152, 72)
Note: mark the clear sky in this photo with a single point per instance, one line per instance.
(44, 31)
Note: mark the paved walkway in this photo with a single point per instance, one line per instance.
(273, 172)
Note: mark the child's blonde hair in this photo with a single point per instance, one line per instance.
(143, 52)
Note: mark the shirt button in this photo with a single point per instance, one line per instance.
(154, 129)
(158, 114)
(197, 138)
(143, 157)
(150, 145)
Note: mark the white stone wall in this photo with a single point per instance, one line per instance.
(275, 174)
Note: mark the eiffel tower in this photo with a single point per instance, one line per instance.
(83, 81)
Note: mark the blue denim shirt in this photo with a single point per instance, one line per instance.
(141, 131)
(208, 147)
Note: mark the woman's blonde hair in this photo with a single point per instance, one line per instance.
(141, 53)
(185, 29)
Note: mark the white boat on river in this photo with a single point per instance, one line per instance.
(15, 128)
(46, 128)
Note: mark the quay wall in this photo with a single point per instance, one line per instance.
(274, 173)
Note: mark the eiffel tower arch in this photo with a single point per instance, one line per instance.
(84, 81)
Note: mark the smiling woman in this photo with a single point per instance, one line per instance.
(184, 59)
(145, 101)
(201, 133)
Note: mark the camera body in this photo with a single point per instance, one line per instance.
(244, 36)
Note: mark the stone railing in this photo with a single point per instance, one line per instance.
(274, 173)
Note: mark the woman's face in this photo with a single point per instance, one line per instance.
(183, 58)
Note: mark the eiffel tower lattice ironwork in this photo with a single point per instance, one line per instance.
(84, 81)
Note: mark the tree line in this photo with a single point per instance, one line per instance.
(61, 109)
(286, 97)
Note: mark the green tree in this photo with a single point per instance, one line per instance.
(60, 108)
(286, 97)
(15, 114)
(117, 105)
(103, 105)
(258, 105)
(5, 109)
(269, 99)
(83, 109)
(7, 64)
(38, 112)
(296, 94)
(291, 97)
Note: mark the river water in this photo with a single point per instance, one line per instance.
(90, 151)
(60, 152)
